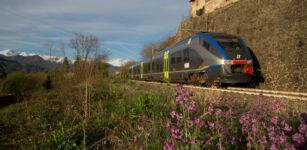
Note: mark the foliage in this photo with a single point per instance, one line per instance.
(22, 84)
(2, 72)
(126, 115)
(199, 12)
(65, 65)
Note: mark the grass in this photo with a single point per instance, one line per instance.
(121, 115)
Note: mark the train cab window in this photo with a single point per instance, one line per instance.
(206, 45)
(179, 57)
(186, 56)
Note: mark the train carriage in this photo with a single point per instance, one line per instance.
(201, 59)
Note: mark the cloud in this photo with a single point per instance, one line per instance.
(117, 61)
(124, 25)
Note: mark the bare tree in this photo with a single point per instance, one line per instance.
(62, 47)
(84, 45)
(125, 67)
(50, 46)
(148, 50)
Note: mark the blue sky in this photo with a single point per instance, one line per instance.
(123, 26)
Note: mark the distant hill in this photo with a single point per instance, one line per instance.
(30, 63)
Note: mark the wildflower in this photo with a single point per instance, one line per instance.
(273, 147)
(136, 138)
(192, 106)
(141, 148)
(274, 120)
(149, 132)
(140, 127)
(297, 137)
(179, 116)
(264, 125)
(303, 128)
(168, 124)
(179, 100)
(287, 115)
(218, 112)
(211, 125)
(287, 128)
(192, 141)
(173, 113)
(254, 129)
(249, 144)
(282, 139)
(210, 109)
(303, 118)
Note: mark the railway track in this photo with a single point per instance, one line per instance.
(247, 91)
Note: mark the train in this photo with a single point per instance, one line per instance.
(203, 59)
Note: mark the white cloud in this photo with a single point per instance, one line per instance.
(117, 62)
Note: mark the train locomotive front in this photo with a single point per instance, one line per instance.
(202, 59)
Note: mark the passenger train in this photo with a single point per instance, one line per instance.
(205, 58)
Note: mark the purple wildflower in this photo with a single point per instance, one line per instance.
(274, 120)
(140, 127)
(218, 112)
(149, 132)
(136, 138)
(192, 106)
(192, 141)
(298, 138)
(287, 128)
(179, 116)
(173, 113)
(283, 139)
(168, 124)
(211, 125)
(254, 129)
(273, 147)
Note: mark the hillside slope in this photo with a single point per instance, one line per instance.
(273, 30)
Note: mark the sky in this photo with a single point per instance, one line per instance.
(122, 26)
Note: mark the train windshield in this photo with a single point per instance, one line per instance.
(230, 43)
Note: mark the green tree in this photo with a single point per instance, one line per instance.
(2, 72)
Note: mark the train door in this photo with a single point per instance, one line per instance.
(166, 66)
(141, 70)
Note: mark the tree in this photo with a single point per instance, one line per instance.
(2, 72)
(84, 68)
(148, 50)
(62, 47)
(125, 67)
(84, 45)
(65, 65)
(50, 46)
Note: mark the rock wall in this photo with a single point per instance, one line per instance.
(208, 6)
(274, 30)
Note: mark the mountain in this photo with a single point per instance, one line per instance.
(11, 52)
(20, 61)
(14, 61)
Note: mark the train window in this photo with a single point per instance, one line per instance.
(206, 45)
(172, 59)
(179, 57)
(186, 55)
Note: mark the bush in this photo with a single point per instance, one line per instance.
(22, 84)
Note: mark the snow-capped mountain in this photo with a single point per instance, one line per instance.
(11, 52)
